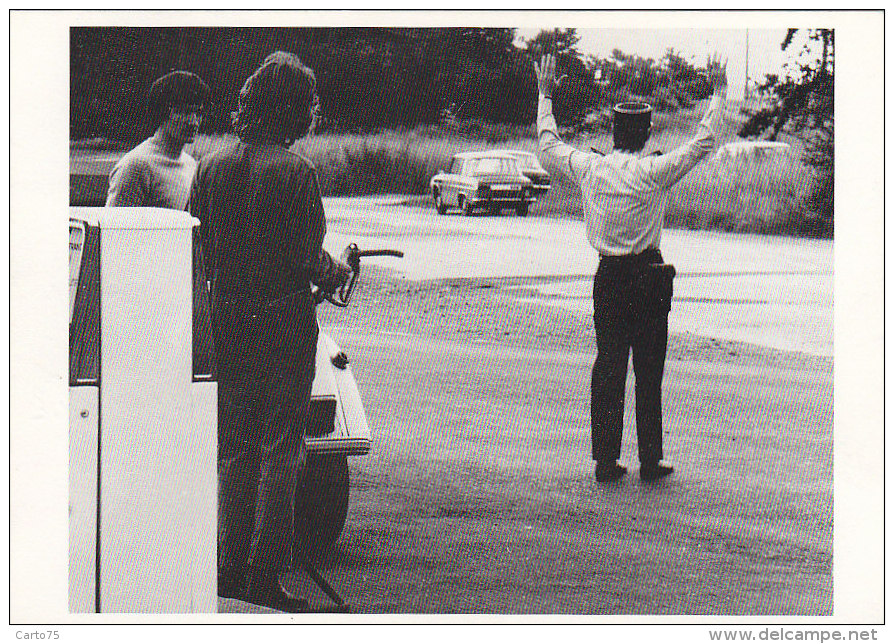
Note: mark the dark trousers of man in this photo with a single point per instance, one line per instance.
(256, 505)
(266, 372)
(631, 298)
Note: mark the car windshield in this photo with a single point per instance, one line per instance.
(496, 166)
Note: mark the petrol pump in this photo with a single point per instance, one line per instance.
(143, 419)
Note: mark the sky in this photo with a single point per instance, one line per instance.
(765, 55)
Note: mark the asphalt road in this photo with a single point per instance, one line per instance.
(478, 495)
(771, 291)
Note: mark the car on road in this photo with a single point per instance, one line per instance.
(530, 166)
(482, 180)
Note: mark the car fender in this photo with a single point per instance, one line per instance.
(334, 378)
(528, 189)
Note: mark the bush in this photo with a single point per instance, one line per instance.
(477, 130)
(394, 162)
(664, 100)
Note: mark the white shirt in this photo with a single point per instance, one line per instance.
(624, 195)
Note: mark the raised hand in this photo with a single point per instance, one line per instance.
(547, 82)
(716, 69)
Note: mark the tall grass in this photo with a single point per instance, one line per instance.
(390, 161)
(399, 162)
(764, 197)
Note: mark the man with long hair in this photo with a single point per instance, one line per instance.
(625, 195)
(158, 173)
(262, 232)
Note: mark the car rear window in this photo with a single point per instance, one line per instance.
(496, 166)
(84, 304)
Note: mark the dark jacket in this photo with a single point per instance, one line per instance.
(262, 233)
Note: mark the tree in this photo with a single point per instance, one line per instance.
(803, 103)
(682, 77)
(578, 94)
(561, 42)
(367, 77)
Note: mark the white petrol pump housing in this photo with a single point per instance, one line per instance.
(143, 419)
(143, 440)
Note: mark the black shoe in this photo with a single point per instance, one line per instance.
(611, 472)
(655, 471)
(231, 583)
(268, 591)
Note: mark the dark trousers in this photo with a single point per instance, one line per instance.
(256, 508)
(265, 376)
(631, 297)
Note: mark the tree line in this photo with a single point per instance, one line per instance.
(372, 78)
(802, 101)
(368, 78)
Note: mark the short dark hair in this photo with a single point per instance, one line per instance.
(632, 125)
(277, 102)
(176, 89)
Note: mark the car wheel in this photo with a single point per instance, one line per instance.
(468, 208)
(439, 204)
(522, 209)
(321, 502)
(495, 209)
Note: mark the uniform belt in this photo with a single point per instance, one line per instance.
(650, 255)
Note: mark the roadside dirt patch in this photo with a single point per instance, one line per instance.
(476, 309)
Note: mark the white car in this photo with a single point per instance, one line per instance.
(488, 180)
(530, 166)
(143, 419)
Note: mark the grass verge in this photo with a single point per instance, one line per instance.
(763, 196)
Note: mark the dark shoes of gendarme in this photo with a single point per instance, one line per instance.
(610, 472)
(655, 471)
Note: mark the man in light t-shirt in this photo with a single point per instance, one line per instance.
(625, 195)
(158, 173)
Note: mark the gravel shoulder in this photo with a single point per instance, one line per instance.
(480, 310)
